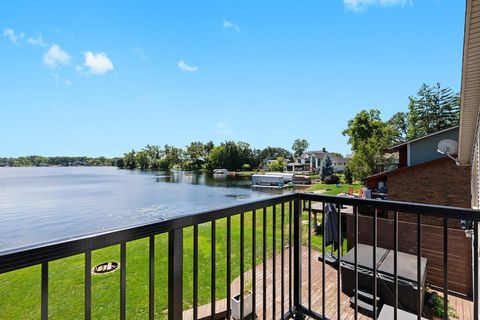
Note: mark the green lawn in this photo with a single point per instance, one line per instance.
(20, 290)
(332, 189)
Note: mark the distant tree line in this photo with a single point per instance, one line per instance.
(231, 155)
(432, 109)
(40, 161)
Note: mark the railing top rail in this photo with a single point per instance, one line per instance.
(17, 258)
(399, 206)
(31, 255)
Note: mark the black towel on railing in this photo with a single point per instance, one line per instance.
(331, 225)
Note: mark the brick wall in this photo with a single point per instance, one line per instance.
(439, 182)
(459, 248)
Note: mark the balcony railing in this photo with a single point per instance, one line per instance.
(280, 226)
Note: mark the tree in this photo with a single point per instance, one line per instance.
(153, 152)
(230, 155)
(173, 157)
(274, 152)
(196, 154)
(142, 160)
(399, 122)
(327, 168)
(366, 125)
(364, 160)
(120, 163)
(348, 174)
(129, 160)
(369, 136)
(276, 165)
(299, 146)
(433, 109)
(209, 146)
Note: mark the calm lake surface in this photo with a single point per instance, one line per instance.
(45, 204)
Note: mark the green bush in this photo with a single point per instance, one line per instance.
(246, 167)
(438, 305)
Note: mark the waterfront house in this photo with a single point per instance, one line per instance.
(312, 161)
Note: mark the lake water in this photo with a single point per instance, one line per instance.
(45, 204)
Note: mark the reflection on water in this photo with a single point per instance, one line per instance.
(44, 204)
(192, 177)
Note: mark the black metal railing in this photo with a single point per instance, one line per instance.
(292, 215)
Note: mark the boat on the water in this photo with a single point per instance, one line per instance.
(220, 171)
(287, 177)
(268, 181)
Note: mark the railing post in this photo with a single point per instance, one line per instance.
(475, 270)
(175, 273)
(297, 258)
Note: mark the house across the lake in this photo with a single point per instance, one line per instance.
(311, 161)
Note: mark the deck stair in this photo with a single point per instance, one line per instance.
(365, 302)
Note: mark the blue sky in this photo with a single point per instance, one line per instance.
(102, 77)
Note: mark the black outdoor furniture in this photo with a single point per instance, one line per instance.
(406, 271)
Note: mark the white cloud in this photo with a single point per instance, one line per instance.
(14, 37)
(38, 41)
(97, 63)
(55, 56)
(230, 25)
(361, 5)
(185, 67)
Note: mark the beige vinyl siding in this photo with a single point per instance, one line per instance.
(470, 92)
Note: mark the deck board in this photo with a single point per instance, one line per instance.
(463, 307)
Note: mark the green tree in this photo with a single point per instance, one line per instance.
(130, 160)
(173, 157)
(196, 154)
(246, 167)
(267, 152)
(142, 160)
(153, 152)
(277, 165)
(369, 136)
(433, 109)
(299, 146)
(209, 146)
(364, 160)
(215, 158)
(399, 122)
(348, 174)
(327, 168)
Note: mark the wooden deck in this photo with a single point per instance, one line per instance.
(464, 308)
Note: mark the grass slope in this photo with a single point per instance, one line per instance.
(20, 290)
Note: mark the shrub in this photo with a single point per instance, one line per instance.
(333, 179)
(348, 175)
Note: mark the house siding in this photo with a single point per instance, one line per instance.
(426, 149)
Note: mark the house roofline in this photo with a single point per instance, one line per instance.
(397, 146)
(404, 169)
